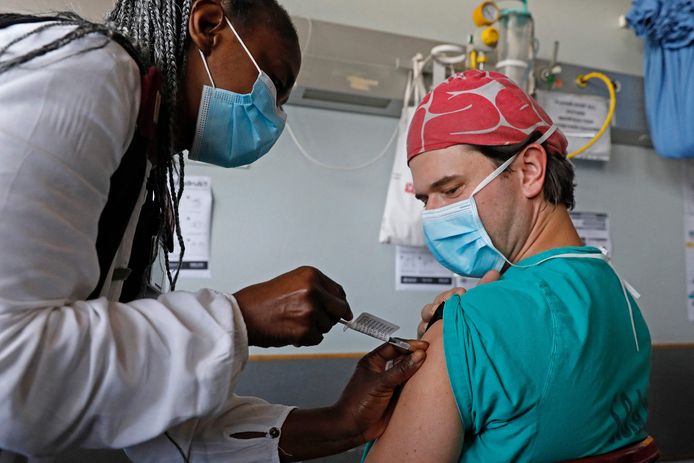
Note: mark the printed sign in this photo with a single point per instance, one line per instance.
(580, 117)
(195, 211)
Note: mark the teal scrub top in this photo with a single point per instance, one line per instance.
(543, 363)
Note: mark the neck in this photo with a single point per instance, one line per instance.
(551, 228)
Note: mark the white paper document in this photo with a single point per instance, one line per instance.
(580, 117)
(688, 192)
(195, 211)
(593, 228)
(417, 270)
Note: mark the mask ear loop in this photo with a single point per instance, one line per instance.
(508, 162)
(494, 174)
(545, 136)
(204, 62)
(243, 44)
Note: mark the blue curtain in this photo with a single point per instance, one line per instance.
(667, 27)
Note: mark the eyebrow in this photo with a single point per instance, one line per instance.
(437, 185)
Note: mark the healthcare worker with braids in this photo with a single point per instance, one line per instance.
(85, 359)
(551, 361)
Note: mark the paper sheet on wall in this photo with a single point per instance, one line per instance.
(417, 270)
(195, 211)
(593, 228)
(688, 192)
(580, 117)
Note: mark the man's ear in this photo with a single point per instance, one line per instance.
(533, 165)
(206, 23)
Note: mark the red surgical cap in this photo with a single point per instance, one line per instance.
(478, 108)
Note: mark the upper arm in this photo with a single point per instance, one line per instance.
(425, 425)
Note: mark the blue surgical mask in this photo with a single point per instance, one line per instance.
(456, 235)
(235, 129)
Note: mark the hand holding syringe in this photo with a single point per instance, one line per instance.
(377, 328)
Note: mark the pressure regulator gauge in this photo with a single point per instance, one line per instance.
(486, 14)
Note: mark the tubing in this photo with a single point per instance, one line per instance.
(582, 81)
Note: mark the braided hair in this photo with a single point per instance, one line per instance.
(158, 29)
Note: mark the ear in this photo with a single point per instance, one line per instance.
(533, 165)
(206, 23)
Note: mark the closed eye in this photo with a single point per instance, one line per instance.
(452, 191)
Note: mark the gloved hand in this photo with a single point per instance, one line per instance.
(429, 309)
(295, 308)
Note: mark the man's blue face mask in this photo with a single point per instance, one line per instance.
(235, 129)
(456, 235)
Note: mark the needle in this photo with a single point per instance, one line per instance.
(399, 342)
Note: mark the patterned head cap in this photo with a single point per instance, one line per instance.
(478, 108)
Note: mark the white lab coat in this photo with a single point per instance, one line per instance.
(98, 373)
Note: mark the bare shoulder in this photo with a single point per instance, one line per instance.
(425, 425)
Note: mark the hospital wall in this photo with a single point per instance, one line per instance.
(284, 211)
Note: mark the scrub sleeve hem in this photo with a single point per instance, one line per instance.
(459, 371)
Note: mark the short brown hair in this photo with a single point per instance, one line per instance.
(559, 175)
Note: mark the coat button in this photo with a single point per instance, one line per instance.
(274, 433)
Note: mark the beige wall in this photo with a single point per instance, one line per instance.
(587, 29)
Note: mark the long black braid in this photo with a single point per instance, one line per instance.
(158, 29)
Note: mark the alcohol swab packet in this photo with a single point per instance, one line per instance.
(376, 327)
